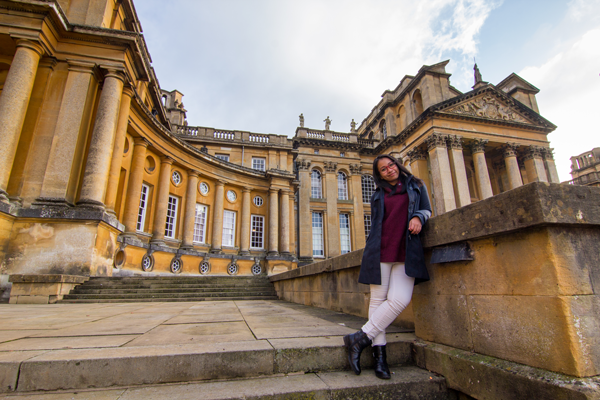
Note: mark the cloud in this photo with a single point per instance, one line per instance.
(569, 85)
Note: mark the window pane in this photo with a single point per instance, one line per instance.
(224, 157)
(200, 224)
(367, 225)
(258, 164)
(171, 217)
(342, 186)
(315, 185)
(141, 220)
(317, 234)
(345, 233)
(257, 234)
(368, 187)
(228, 228)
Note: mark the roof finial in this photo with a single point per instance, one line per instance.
(477, 73)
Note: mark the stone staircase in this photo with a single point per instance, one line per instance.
(169, 289)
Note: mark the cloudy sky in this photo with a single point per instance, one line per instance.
(255, 65)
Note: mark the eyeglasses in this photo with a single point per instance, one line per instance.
(390, 166)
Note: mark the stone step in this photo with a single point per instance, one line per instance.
(407, 383)
(159, 299)
(169, 286)
(74, 369)
(110, 290)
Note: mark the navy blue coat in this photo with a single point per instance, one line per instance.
(418, 206)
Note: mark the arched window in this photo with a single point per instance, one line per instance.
(418, 101)
(383, 129)
(401, 118)
(315, 184)
(342, 186)
(368, 187)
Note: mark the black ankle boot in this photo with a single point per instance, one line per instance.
(381, 368)
(356, 343)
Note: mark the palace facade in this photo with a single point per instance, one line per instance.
(585, 168)
(100, 173)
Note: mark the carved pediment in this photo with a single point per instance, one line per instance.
(487, 106)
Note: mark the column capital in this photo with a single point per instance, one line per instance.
(330, 166)
(140, 141)
(548, 153)
(455, 142)
(436, 140)
(355, 169)
(302, 164)
(220, 182)
(81, 66)
(246, 190)
(478, 145)
(166, 160)
(533, 152)
(510, 150)
(31, 45)
(273, 190)
(192, 173)
(115, 74)
(128, 91)
(285, 191)
(417, 154)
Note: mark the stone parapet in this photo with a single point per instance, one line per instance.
(42, 289)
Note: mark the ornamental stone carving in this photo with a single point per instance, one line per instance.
(455, 142)
(436, 140)
(302, 164)
(533, 152)
(478, 145)
(416, 154)
(548, 153)
(487, 107)
(330, 166)
(510, 150)
(355, 169)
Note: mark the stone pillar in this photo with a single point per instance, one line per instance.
(61, 171)
(481, 171)
(457, 160)
(512, 165)
(440, 173)
(419, 168)
(189, 216)
(285, 221)
(95, 178)
(332, 234)
(534, 164)
(550, 165)
(358, 213)
(13, 105)
(134, 187)
(304, 216)
(273, 222)
(162, 200)
(245, 234)
(117, 155)
(217, 237)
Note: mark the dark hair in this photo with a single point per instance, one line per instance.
(377, 176)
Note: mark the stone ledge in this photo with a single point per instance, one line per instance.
(71, 213)
(338, 263)
(47, 278)
(490, 378)
(534, 204)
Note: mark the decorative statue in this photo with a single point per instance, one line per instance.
(327, 123)
(301, 120)
(352, 126)
(477, 74)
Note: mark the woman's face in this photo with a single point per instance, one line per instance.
(388, 170)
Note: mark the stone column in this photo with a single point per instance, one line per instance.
(550, 165)
(245, 234)
(117, 155)
(162, 200)
(13, 105)
(534, 164)
(217, 237)
(304, 216)
(482, 175)
(284, 226)
(60, 173)
(273, 222)
(457, 160)
(332, 234)
(440, 173)
(134, 187)
(189, 216)
(95, 178)
(358, 214)
(419, 168)
(512, 165)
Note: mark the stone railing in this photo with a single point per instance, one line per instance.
(259, 138)
(187, 130)
(315, 135)
(366, 143)
(340, 138)
(587, 179)
(244, 137)
(227, 135)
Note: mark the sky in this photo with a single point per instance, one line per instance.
(255, 65)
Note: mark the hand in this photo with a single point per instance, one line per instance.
(414, 226)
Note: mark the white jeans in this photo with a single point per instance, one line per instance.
(388, 300)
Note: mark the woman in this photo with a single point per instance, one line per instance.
(393, 260)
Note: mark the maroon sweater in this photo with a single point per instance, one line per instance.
(395, 224)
